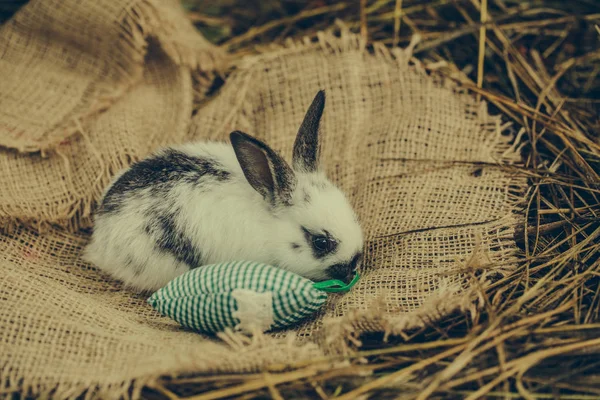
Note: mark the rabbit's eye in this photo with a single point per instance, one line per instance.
(321, 243)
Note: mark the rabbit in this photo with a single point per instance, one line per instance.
(209, 202)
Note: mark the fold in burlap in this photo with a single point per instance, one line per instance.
(60, 189)
(64, 60)
(67, 59)
(420, 160)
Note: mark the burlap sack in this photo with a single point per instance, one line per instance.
(107, 45)
(60, 188)
(416, 157)
(63, 60)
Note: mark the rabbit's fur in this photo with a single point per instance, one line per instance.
(205, 203)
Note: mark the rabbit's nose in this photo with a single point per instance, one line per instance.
(345, 271)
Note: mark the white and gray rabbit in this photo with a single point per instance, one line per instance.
(203, 203)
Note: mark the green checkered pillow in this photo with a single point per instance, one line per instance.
(242, 295)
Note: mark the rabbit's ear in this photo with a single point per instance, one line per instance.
(264, 169)
(307, 145)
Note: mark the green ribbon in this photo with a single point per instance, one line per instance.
(334, 285)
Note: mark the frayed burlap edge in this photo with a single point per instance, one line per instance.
(142, 22)
(247, 356)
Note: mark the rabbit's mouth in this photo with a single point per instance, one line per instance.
(345, 271)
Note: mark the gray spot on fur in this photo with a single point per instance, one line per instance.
(306, 197)
(135, 267)
(159, 174)
(170, 238)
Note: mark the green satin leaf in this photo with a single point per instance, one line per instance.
(335, 285)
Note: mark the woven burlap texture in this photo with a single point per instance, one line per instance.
(416, 156)
(60, 188)
(64, 61)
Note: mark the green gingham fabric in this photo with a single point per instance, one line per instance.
(202, 298)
